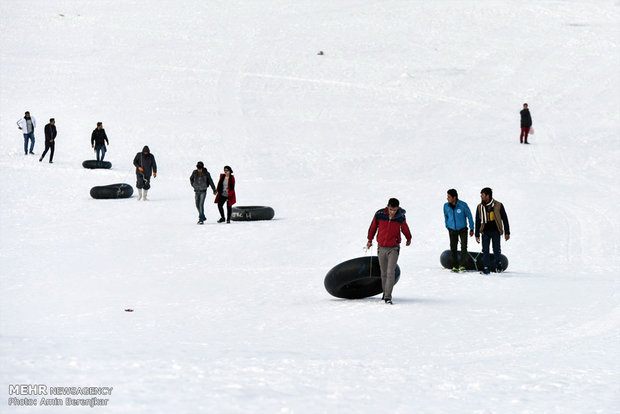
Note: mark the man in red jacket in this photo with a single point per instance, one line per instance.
(388, 223)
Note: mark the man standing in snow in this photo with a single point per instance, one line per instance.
(457, 214)
(526, 123)
(145, 166)
(201, 180)
(388, 223)
(98, 140)
(27, 125)
(492, 222)
(50, 136)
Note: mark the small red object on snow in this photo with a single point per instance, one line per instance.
(128, 310)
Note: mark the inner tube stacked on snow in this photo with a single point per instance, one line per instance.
(473, 261)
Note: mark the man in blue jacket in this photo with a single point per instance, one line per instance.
(456, 214)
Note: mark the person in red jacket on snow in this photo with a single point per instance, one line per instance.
(388, 223)
(225, 194)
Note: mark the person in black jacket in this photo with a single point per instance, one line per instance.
(201, 181)
(526, 123)
(98, 140)
(145, 166)
(50, 136)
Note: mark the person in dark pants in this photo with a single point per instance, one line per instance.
(98, 140)
(50, 137)
(491, 222)
(226, 194)
(27, 125)
(457, 214)
(388, 223)
(526, 124)
(201, 180)
(145, 166)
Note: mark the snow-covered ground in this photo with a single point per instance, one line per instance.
(410, 98)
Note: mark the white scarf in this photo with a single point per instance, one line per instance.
(483, 208)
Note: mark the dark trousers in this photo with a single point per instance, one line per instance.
(489, 237)
(220, 206)
(49, 146)
(524, 132)
(455, 235)
(143, 182)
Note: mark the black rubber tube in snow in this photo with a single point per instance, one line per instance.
(111, 191)
(473, 261)
(353, 279)
(92, 164)
(252, 213)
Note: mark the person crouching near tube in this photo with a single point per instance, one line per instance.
(226, 194)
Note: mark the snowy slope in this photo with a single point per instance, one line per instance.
(409, 99)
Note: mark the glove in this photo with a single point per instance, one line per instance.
(140, 168)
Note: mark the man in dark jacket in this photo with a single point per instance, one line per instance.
(492, 222)
(526, 123)
(388, 223)
(98, 140)
(201, 180)
(50, 136)
(145, 166)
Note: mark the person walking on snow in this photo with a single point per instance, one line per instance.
(98, 140)
(50, 137)
(387, 224)
(226, 194)
(27, 125)
(491, 222)
(457, 214)
(526, 124)
(145, 166)
(201, 181)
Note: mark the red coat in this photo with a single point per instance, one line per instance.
(232, 198)
(389, 229)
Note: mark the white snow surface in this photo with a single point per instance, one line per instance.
(409, 99)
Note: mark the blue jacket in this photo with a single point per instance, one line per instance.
(456, 218)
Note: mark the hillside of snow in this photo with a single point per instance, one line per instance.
(408, 99)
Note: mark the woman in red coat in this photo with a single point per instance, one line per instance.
(225, 194)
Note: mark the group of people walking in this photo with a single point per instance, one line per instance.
(490, 224)
(224, 192)
(27, 124)
(388, 223)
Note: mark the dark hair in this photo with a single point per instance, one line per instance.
(27, 113)
(52, 119)
(200, 165)
(452, 192)
(99, 123)
(227, 167)
(393, 202)
(487, 191)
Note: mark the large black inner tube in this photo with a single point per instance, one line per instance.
(473, 260)
(112, 191)
(92, 164)
(252, 213)
(356, 278)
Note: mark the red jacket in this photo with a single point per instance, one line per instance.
(389, 230)
(232, 198)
